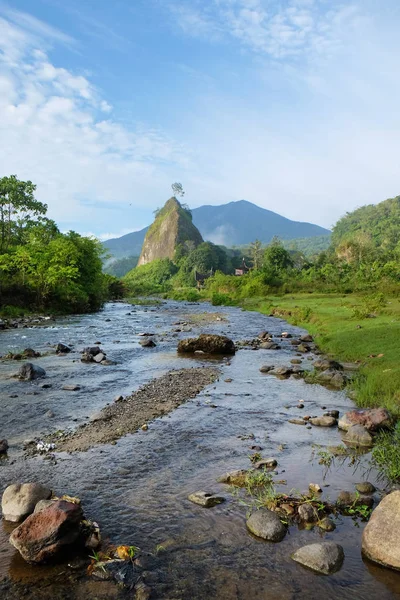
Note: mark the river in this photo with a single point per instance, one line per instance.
(137, 489)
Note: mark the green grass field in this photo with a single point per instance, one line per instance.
(341, 329)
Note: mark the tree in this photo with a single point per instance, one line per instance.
(177, 189)
(256, 253)
(18, 210)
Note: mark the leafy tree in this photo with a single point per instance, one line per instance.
(256, 254)
(177, 189)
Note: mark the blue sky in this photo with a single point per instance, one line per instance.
(291, 104)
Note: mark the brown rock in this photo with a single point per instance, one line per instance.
(380, 540)
(45, 534)
(207, 343)
(372, 419)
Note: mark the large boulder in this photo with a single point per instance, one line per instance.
(29, 371)
(324, 558)
(207, 343)
(266, 524)
(380, 540)
(332, 377)
(45, 534)
(19, 500)
(372, 419)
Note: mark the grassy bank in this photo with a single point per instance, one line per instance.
(350, 328)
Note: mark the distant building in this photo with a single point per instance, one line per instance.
(242, 270)
(201, 277)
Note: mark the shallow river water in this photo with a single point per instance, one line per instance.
(137, 489)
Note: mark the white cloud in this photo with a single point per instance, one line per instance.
(57, 130)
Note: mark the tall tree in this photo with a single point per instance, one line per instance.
(256, 254)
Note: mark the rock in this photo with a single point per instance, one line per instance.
(307, 513)
(323, 421)
(332, 377)
(123, 572)
(49, 414)
(297, 421)
(332, 413)
(29, 371)
(269, 463)
(325, 558)
(281, 371)
(287, 508)
(323, 364)
(71, 387)
(42, 504)
(45, 534)
(30, 353)
(269, 346)
(357, 435)
(353, 499)
(19, 500)
(314, 487)
(144, 427)
(296, 361)
(286, 335)
(207, 499)
(89, 354)
(372, 419)
(62, 348)
(207, 343)
(306, 338)
(365, 487)
(380, 540)
(99, 357)
(266, 524)
(3, 446)
(142, 591)
(234, 477)
(266, 368)
(148, 343)
(263, 335)
(326, 524)
(303, 348)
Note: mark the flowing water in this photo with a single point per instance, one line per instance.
(137, 489)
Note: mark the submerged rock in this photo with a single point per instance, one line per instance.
(45, 534)
(307, 513)
(3, 446)
(323, 421)
(380, 540)
(19, 500)
(372, 419)
(325, 558)
(267, 463)
(234, 477)
(207, 343)
(148, 343)
(62, 348)
(266, 368)
(29, 371)
(266, 524)
(207, 499)
(326, 524)
(365, 487)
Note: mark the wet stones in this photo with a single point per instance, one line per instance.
(324, 558)
(332, 377)
(266, 368)
(267, 463)
(206, 499)
(19, 500)
(266, 524)
(93, 354)
(3, 447)
(207, 343)
(148, 343)
(353, 499)
(357, 435)
(326, 524)
(380, 540)
(307, 513)
(324, 364)
(29, 371)
(269, 346)
(297, 421)
(372, 419)
(71, 387)
(44, 534)
(237, 478)
(323, 421)
(365, 487)
(62, 348)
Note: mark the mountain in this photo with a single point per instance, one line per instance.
(171, 227)
(232, 224)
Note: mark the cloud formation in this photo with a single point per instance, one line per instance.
(58, 130)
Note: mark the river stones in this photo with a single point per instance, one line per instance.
(269, 346)
(29, 371)
(281, 371)
(207, 343)
(3, 446)
(206, 499)
(71, 387)
(380, 540)
(346, 498)
(267, 463)
(323, 364)
(357, 435)
(365, 487)
(263, 335)
(307, 513)
(324, 558)
(372, 419)
(45, 534)
(266, 368)
(147, 343)
(306, 338)
(323, 421)
(19, 500)
(266, 524)
(332, 377)
(62, 348)
(326, 524)
(297, 421)
(237, 478)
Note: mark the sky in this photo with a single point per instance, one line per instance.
(290, 104)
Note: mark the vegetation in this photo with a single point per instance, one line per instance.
(121, 266)
(41, 267)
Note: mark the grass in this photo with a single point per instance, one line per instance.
(386, 453)
(373, 342)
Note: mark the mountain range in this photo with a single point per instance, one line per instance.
(233, 224)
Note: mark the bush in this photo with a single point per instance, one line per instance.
(218, 299)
